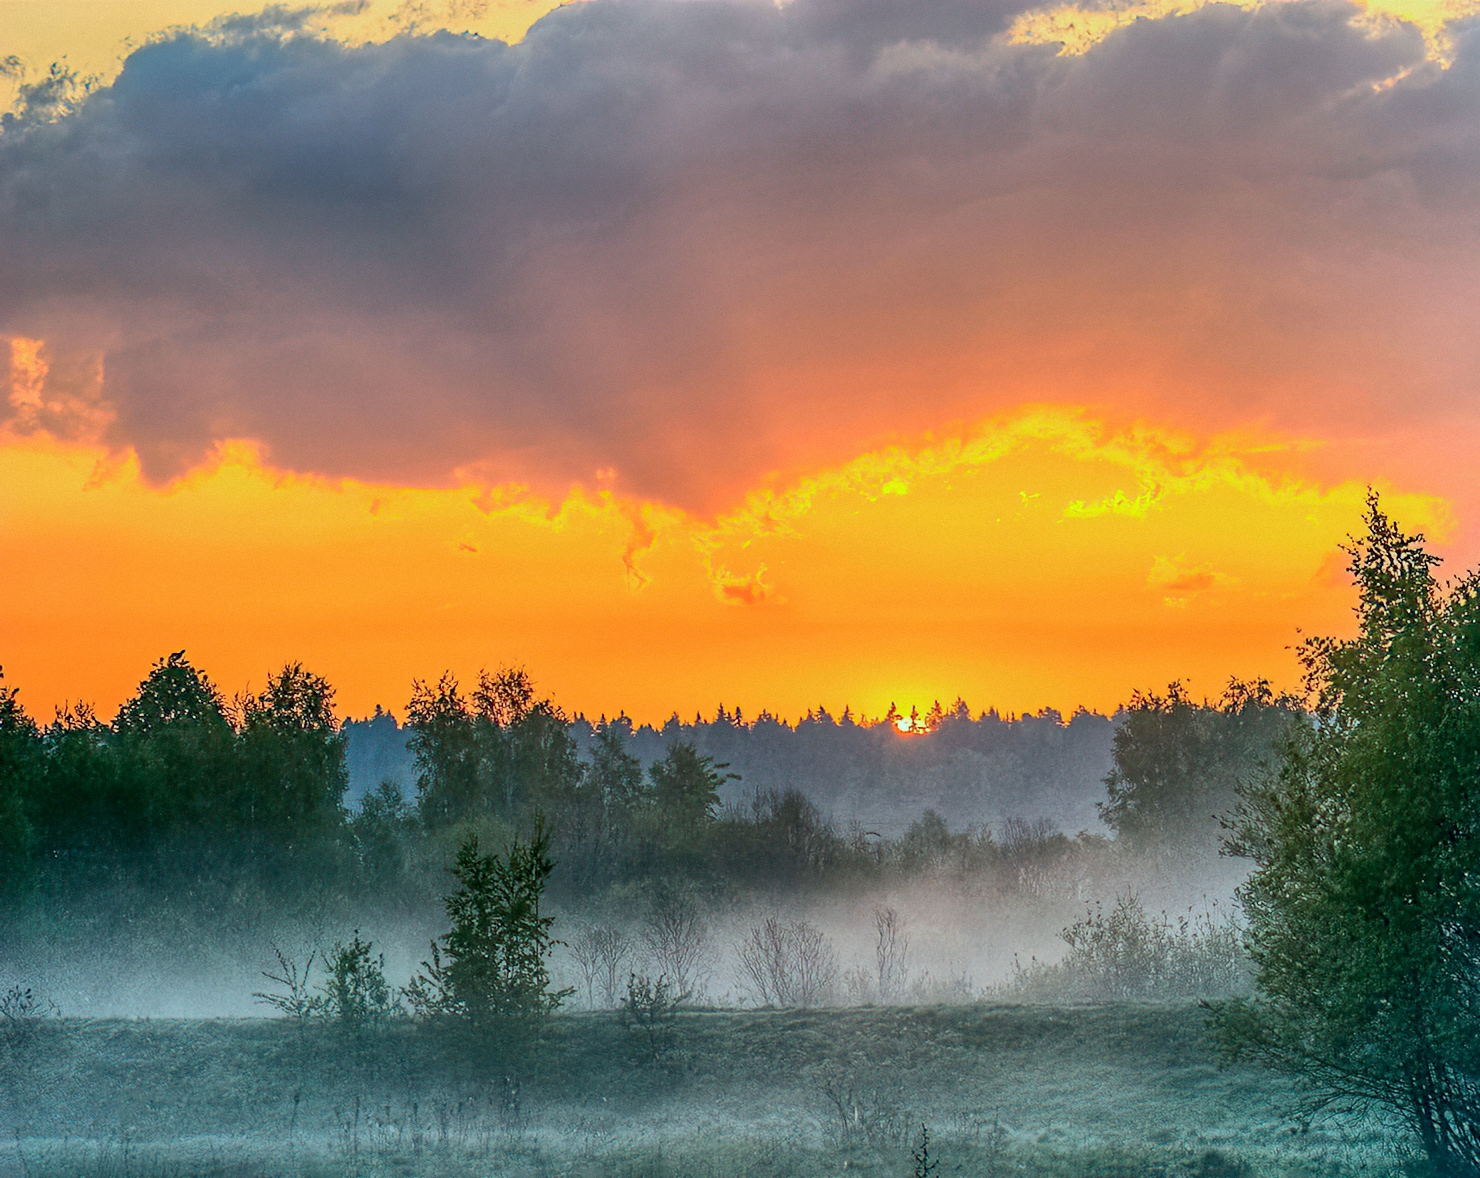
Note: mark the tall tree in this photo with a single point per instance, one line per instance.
(20, 774)
(292, 759)
(1178, 764)
(178, 750)
(1363, 907)
(686, 787)
(450, 771)
(501, 753)
(615, 775)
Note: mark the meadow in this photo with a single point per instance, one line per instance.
(1114, 1090)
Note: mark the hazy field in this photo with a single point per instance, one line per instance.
(1107, 1090)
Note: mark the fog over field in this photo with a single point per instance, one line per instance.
(979, 838)
(538, 945)
(404, 404)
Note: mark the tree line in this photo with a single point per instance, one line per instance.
(183, 783)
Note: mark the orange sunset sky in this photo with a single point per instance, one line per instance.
(698, 351)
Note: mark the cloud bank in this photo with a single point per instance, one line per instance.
(673, 247)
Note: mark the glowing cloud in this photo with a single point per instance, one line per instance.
(846, 349)
(979, 579)
(1077, 28)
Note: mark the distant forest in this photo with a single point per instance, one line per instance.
(970, 770)
(241, 803)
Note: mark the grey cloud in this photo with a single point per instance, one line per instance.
(697, 241)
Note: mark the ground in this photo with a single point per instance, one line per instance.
(1116, 1090)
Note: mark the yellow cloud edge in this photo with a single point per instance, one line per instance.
(1078, 28)
(1160, 465)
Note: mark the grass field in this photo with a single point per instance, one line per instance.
(1105, 1090)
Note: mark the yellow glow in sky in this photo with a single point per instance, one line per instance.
(1079, 27)
(94, 36)
(1040, 559)
(1043, 557)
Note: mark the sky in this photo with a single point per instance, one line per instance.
(690, 352)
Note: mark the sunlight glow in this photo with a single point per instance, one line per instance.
(1048, 557)
(1077, 28)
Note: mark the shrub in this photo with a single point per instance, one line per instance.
(298, 1003)
(891, 953)
(788, 963)
(495, 969)
(649, 1011)
(676, 938)
(20, 1005)
(600, 953)
(1127, 954)
(355, 995)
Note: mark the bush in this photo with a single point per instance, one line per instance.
(1128, 954)
(676, 939)
(600, 953)
(788, 964)
(649, 1011)
(298, 1003)
(22, 1006)
(495, 969)
(355, 995)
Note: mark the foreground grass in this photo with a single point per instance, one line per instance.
(1111, 1091)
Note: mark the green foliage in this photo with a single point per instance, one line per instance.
(21, 767)
(499, 753)
(614, 774)
(178, 785)
(650, 1011)
(1178, 764)
(1128, 954)
(495, 971)
(381, 833)
(291, 755)
(174, 745)
(686, 785)
(1363, 907)
(355, 995)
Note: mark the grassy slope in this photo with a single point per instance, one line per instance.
(1123, 1089)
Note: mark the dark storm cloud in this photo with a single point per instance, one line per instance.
(692, 242)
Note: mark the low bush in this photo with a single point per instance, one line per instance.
(1127, 953)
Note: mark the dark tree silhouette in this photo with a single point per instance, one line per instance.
(1178, 764)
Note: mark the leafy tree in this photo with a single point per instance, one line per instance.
(87, 806)
(444, 740)
(379, 832)
(1363, 907)
(543, 772)
(292, 758)
(505, 697)
(21, 769)
(615, 775)
(686, 786)
(1178, 764)
(178, 750)
(499, 753)
(491, 967)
